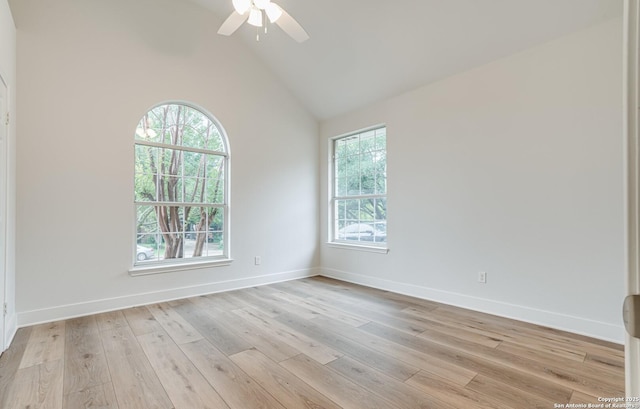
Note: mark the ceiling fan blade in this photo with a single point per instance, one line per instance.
(232, 23)
(290, 26)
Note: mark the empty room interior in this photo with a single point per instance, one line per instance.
(318, 204)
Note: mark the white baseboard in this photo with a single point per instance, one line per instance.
(63, 312)
(577, 325)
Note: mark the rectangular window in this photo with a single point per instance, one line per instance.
(359, 188)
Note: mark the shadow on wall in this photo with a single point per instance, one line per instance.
(171, 27)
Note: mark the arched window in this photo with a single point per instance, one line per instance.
(181, 187)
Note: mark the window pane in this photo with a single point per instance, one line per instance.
(145, 173)
(214, 167)
(195, 231)
(145, 188)
(341, 209)
(380, 220)
(352, 145)
(381, 210)
(340, 148)
(367, 210)
(381, 172)
(367, 174)
(367, 142)
(215, 232)
(215, 179)
(195, 190)
(198, 131)
(146, 220)
(381, 139)
(353, 175)
(341, 168)
(193, 164)
(147, 129)
(146, 159)
(147, 247)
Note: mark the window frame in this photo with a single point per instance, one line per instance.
(333, 241)
(181, 264)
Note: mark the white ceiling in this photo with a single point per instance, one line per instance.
(362, 51)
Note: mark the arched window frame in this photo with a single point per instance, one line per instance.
(160, 264)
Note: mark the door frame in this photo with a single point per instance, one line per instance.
(631, 105)
(4, 197)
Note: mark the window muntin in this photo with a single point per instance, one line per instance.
(359, 188)
(180, 187)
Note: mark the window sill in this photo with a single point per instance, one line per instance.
(170, 268)
(358, 247)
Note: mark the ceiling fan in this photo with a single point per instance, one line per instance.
(256, 13)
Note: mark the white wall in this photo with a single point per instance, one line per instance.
(8, 72)
(514, 168)
(88, 71)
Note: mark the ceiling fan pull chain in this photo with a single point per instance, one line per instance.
(264, 22)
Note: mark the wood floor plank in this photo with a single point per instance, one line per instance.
(175, 324)
(37, 386)
(401, 394)
(544, 335)
(526, 334)
(415, 357)
(223, 336)
(334, 313)
(508, 395)
(292, 392)
(469, 359)
(615, 376)
(454, 394)
(135, 382)
(385, 300)
(92, 397)
(267, 299)
(223, 301)
(583, 398)
(245, 300)
(452, 330)
(339, 389)
(85, 364)
(111, 320)
(326, 335)
(184, 384)
(612, 366)
(365, 296)
(141, 321)
(298, 288)
(564, 375)
(496, 329)
(315, 350)
(253, 336)
(411, 302)
(237, 389)
(45, 344)
(10, 363)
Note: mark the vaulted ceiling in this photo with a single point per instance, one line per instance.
(362, 51)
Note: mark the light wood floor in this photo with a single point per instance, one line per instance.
(312, 343)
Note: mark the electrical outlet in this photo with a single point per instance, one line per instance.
(258, 260)
(482, 277)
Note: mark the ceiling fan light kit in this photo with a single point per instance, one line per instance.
(254, 11)
(255, 17)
